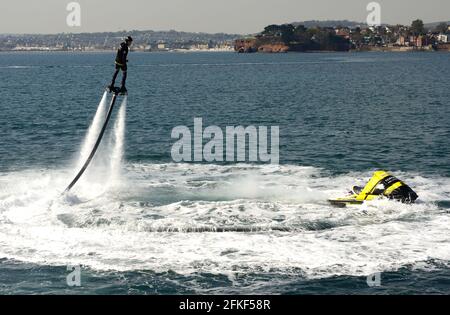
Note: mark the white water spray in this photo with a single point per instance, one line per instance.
(93, 131)
(119, 139)
(104, 170)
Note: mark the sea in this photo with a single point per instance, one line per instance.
(138, 222)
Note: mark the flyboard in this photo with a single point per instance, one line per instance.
(116, 92)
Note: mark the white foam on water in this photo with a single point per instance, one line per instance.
(274, 218)
(17, 67)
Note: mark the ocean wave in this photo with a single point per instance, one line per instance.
(219, 219)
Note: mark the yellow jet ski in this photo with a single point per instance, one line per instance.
(381, 185)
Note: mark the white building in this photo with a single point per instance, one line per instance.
(444, 38)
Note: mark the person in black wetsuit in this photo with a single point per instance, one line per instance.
(121, 64)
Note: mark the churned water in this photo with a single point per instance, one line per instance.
(139, 223)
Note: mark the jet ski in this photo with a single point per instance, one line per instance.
(381, 185)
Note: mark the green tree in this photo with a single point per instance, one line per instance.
(357, 36)
(301, 35)
(312, 31)
(272, 30)
(300, 29)
(418, 28)
(287, 33)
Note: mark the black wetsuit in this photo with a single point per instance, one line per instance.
(121, 64)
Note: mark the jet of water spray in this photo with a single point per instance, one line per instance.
(93, 131)
(119, 139)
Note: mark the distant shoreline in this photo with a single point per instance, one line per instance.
(354, 51)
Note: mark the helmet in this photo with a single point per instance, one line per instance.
(128, 39)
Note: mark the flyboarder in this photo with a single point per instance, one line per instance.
(121, 64)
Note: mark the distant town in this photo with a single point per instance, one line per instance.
(299, 37)
(146, 41)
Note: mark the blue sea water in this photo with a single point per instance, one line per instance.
(159, 227)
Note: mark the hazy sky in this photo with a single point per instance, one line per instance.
(230, 16)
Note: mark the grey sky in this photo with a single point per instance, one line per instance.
(230, 16)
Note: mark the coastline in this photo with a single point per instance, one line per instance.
(371, 50)
(112, 50)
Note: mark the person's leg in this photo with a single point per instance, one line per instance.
(115, 76)
(124, 77)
